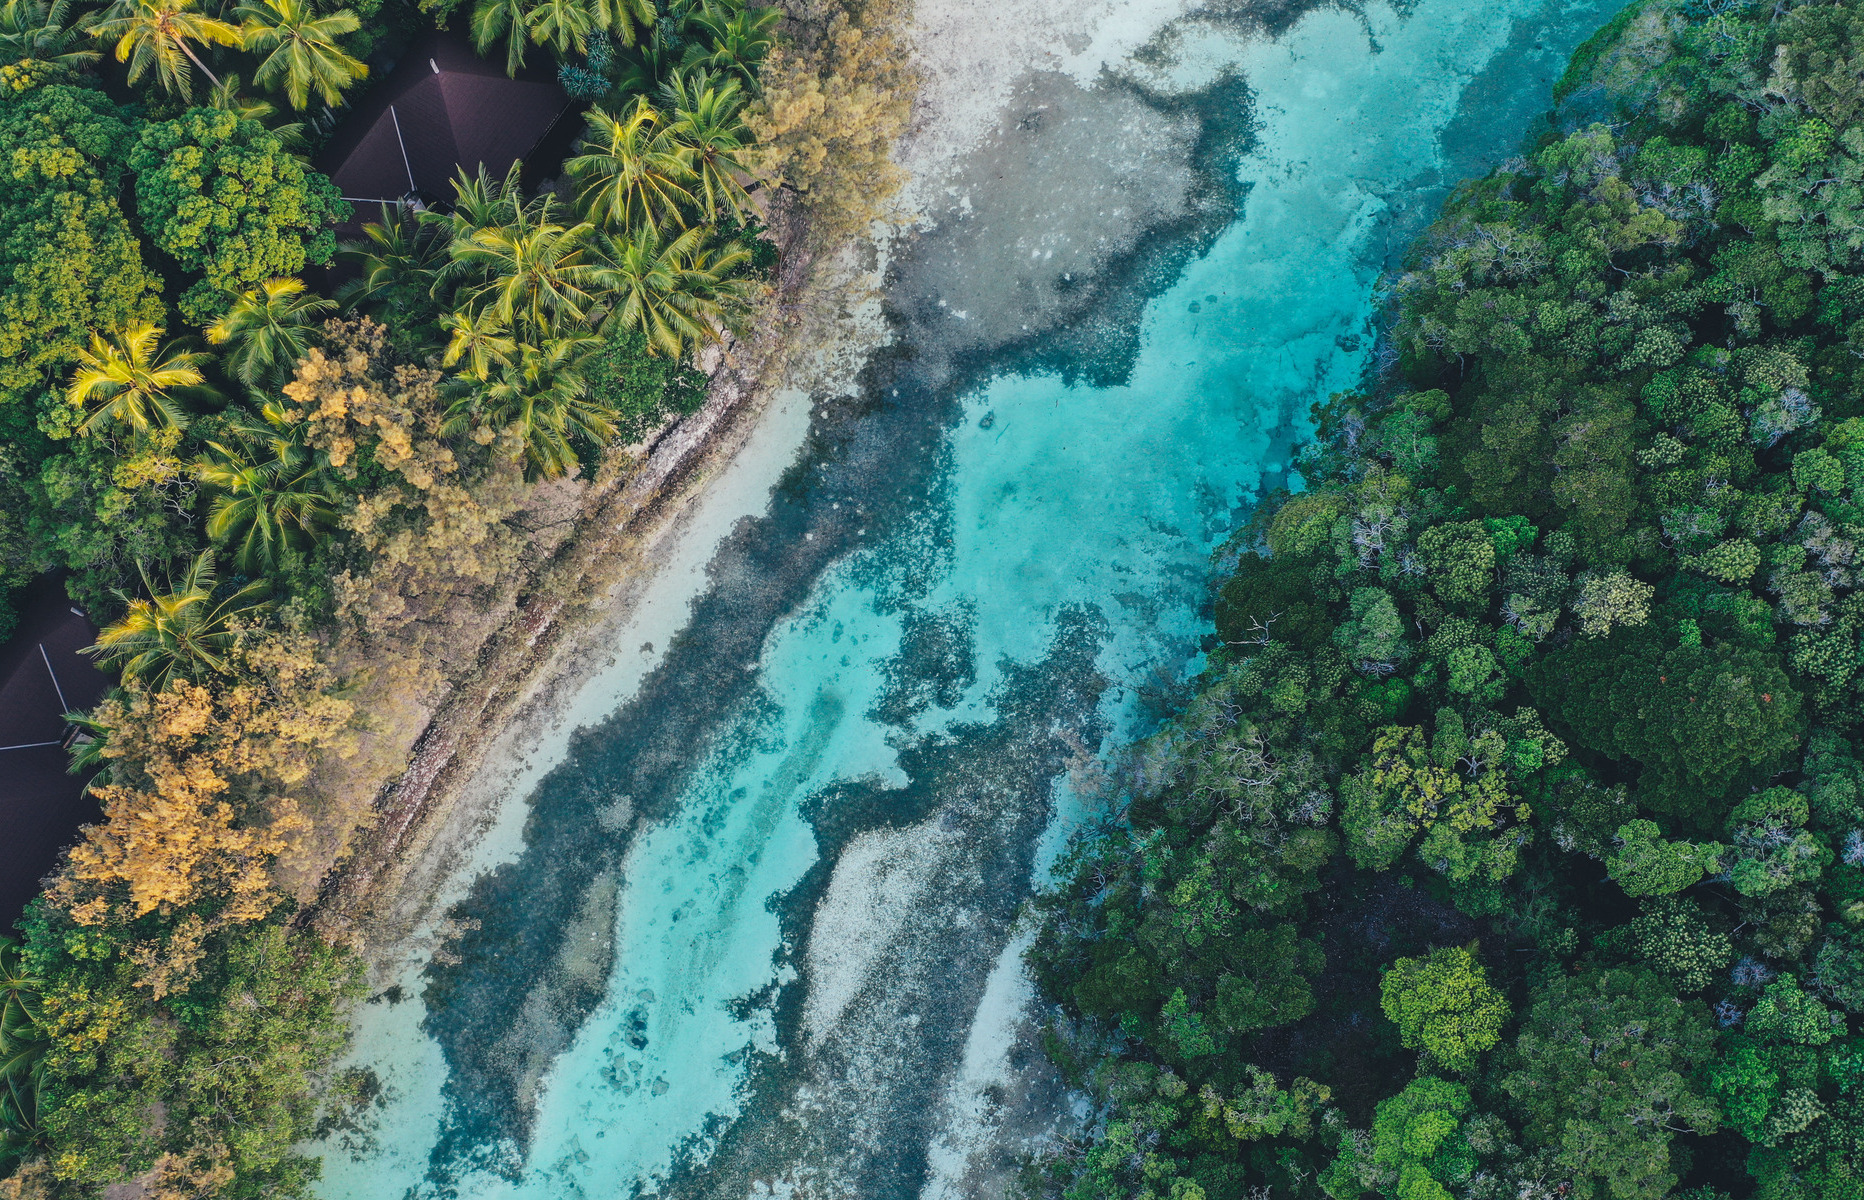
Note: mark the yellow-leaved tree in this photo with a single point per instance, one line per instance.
(196, 780)
(837, 96)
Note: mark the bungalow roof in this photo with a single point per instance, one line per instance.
(441, 108)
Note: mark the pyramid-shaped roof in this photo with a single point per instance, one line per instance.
(441, 108)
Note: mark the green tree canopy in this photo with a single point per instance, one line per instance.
(1374, 636)
(70, 264)
(1696, 717)
(1672, 937)
(676, 293)
(1772, 849)
(1416, 1146)
(708, 121)
(1605, 1073)
(1647, 864)
(1786, 1012)
(224, 197)
(1460, 559)
(542, 394)
(1444, 1005)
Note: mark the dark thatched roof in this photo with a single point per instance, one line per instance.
(451, 109)
(42, 676)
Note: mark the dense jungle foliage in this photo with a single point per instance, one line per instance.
(301, 516)
(1512, 846)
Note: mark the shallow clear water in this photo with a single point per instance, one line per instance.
(758, 937)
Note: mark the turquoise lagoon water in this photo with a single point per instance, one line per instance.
(745, 946)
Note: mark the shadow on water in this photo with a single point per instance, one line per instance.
(869, 473)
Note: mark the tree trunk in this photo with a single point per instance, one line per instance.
(211, 77)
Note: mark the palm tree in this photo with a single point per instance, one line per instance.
(741, 38)
(674, 292)
(177, 634)
(624, 17)
(708, 125)
(482, 339)
(20, 1131)
(531, 271)
(543, 394)
(36, 29)
(495, 19)
(273, 497)
(562, 25)
(155, 34)
(479, 201)
(304, 52)
(22, 1052)
(87, 751)
(19, 1013)
(642, 69)
(395, 261)
(269, 329)
(633, 172)
(226, 97)
(22, 1043)
(135, 379)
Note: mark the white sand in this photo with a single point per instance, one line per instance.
(879, 880)
(972, 56)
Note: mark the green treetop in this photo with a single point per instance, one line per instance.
(1605, 1072)
(1415, 1147)
(223, 196)
(1646, 864)
(69, 261)
(1444, 1006)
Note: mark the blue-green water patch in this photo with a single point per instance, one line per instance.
(796, 854)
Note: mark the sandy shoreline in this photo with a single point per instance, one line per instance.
(558, 664)
(461, 808)
(555, 648)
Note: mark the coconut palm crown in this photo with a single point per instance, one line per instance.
(633, 171)
(38, 29)
(542, 394)
(137, 380)
(300, 48)
(674, 291)
(181, 633)
(23, 1045)
(496, 19)
(531, 271)
(272, 497)
(268, 329)
(708, 124)
(153, 35)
